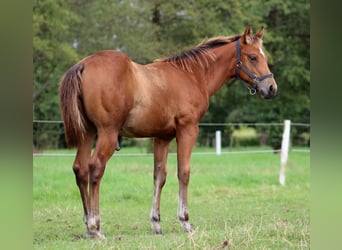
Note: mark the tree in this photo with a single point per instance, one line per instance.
(288, 49)
(52, 53)
(68, 30)
(118, 25)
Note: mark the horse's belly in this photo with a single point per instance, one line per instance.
(148, 124)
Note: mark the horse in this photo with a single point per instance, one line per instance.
(108, 95)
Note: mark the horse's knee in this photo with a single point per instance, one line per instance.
(184, 176)
(160, 174)
(80, 174)
(96, 172)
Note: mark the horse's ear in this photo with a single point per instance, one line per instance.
(260, 32)
(247, 35)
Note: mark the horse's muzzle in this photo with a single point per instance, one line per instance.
(267, 89)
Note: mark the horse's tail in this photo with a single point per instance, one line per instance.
(70, 95)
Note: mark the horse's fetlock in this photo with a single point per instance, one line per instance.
(184, 217)
(155, 218)
(93, 223)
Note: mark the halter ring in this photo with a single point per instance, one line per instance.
(252, 91)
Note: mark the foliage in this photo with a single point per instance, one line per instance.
(65, 31)
(245, 136)
(52, 54)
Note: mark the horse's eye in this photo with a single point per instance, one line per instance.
(252, 58)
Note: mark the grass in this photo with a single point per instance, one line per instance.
(235, 202)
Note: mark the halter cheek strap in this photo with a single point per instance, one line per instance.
(256, 79)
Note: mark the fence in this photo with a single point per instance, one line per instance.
(216, 135)
(262, 137)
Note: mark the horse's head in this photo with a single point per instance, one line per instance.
(252, 64)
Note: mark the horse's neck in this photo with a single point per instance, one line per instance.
(223, 69)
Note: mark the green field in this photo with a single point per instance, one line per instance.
(235, 202)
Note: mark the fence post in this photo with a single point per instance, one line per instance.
(285, 144)
(218, 142)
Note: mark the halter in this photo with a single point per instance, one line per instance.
(256, 79)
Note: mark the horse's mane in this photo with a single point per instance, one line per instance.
(200, 55)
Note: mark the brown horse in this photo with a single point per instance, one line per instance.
(108, 95)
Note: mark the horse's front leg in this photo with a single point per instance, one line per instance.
(160, 156)
(186, 138)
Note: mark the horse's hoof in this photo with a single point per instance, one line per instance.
(158, 232)
(187, 227)
(156, 228)
(96, 235)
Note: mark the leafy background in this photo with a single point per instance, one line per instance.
(65, 31)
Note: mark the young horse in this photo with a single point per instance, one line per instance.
(109, 95)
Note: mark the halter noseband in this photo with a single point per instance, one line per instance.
(256, 79)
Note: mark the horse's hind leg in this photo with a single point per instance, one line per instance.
(80, 168)
(160, 156)
(105, 147)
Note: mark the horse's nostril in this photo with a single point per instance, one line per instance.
(271, 88)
